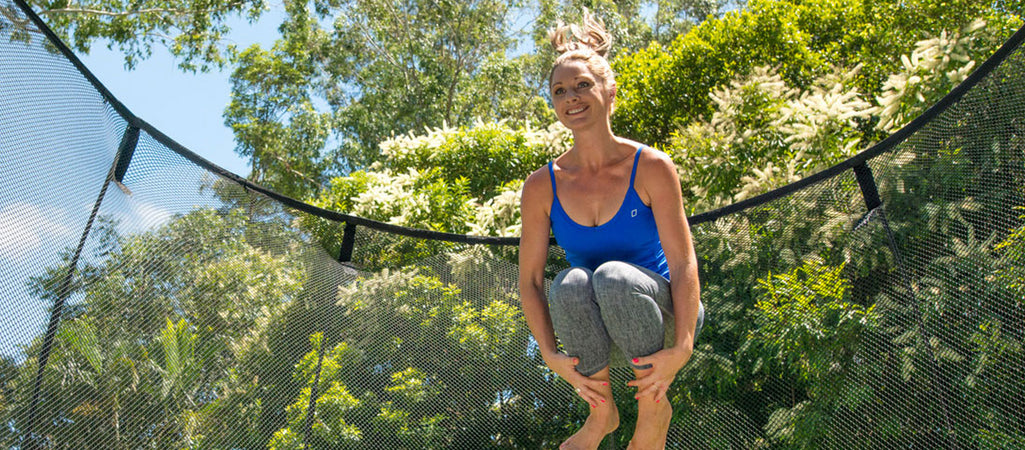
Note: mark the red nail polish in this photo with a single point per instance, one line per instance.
(604, 383)
(635, 360)
(656, 401)
(603, 400)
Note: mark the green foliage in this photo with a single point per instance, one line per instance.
(191, 31)
(764, 134)
(399, 376)
(1011, 272)
(170, 321)
(458, 180)
(666, 87)
(805, 320)
(328, 426)
(806, 325)
(8, 383)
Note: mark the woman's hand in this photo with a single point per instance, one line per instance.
(587, 388)
(665, 364)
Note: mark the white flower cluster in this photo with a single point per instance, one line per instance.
(935, 65)
(471, 260)
(775, 133)
(555, 138)
(383, 284)
(824, 118)
(500, 215)
(393, 198)
(402, 146)
(759, 94)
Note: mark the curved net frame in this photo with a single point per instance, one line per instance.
(151, 299)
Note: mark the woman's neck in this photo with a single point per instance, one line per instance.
(596, 148)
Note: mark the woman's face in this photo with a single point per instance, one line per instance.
(578, 96)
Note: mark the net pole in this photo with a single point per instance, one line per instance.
(117, 170)
(314, 393)
(348, 243)
(951, 435)
(870, 193)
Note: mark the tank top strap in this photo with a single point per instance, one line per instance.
(551, 174)
(633, 173)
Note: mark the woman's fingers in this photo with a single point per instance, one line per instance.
(650, 386)
(588, 394)
(592, 390)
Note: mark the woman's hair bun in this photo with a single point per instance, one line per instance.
(592, 35)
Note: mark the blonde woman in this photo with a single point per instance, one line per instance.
(615, 206)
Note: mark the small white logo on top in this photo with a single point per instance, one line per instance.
(633, 213)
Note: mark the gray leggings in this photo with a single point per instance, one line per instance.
(618, 305)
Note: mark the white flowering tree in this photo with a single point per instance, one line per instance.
(764, 134)
(932, 69)
(459, 180)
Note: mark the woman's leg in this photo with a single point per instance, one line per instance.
(635, 304)
(633, 300)
(653, 417)
(578, 325)
(577, 320)
(603, 419)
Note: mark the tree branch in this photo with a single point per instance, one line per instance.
(98, 12)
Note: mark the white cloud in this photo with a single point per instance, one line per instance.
(152, 215)
(24, 228)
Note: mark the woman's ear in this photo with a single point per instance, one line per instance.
(612, 100)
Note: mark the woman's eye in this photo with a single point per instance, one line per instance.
(584, 84)
(559, 91)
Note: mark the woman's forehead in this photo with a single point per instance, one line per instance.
(570, 70)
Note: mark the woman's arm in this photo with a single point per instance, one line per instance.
(534, 204)
(533, 255)
(674, 232)
(661, 186)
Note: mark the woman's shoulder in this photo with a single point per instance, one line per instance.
(538, 184)
(650, 156)
(658, 169)
(539, 176)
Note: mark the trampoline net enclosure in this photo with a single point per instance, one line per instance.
(151, 300)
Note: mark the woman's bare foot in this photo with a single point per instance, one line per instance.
(652, 424)
(602, 421)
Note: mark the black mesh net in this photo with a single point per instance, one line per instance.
(151, 300)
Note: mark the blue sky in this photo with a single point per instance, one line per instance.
(187, 107)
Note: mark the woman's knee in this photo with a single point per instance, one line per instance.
(571, 286)
(617, 279)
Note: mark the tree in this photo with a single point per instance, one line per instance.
(665, 88)
(171, 320)
(273, 113)
(380, 69)
(192, 31)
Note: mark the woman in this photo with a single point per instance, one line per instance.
(616, 208)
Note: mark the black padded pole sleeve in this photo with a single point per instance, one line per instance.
(125, 152)
(868, 186)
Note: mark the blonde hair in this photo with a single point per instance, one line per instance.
(589, 44)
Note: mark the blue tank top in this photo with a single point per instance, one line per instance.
(630, 236)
